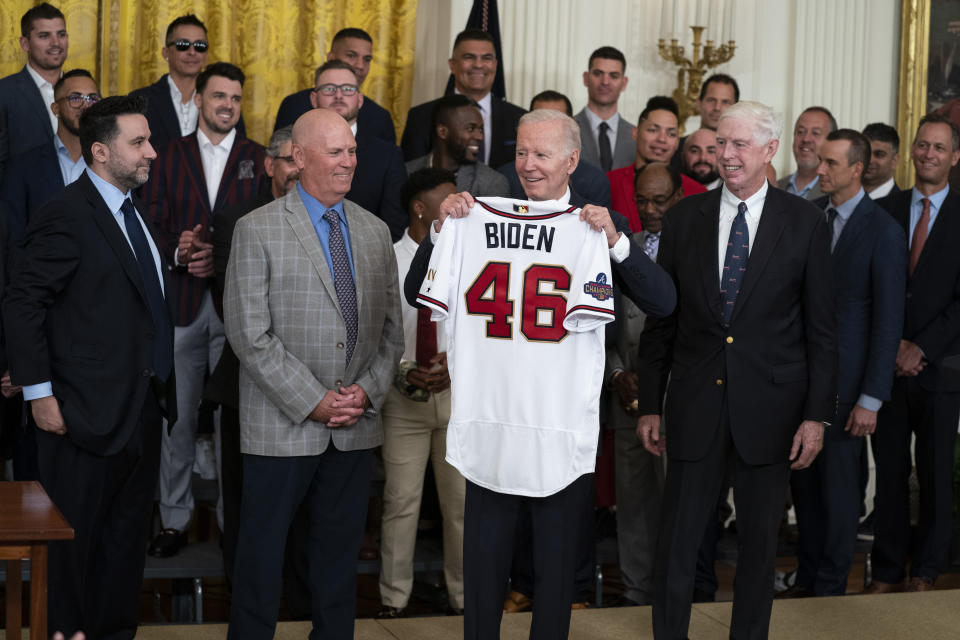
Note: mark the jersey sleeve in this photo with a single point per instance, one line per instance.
(437, 287)
(590, 303)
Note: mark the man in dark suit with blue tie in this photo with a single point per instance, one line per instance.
(926, 399)
(750, 354)
(171, 109)
(25, 97)
(90, 334)
(355, 47)
(869, 260)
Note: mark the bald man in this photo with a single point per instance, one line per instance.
(312, 310)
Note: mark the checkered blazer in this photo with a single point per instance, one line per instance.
(284, 323)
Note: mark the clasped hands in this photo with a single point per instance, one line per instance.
(196, 254)
(458, 205)
(910, 360)
(434, 377)
(341, 409)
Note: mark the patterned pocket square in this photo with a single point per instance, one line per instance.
(245, 169)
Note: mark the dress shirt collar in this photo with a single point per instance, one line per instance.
(883, 190)
(408, 244)
(713, 185)
(845, 210)
(315, 208)
(810, 185)
(175, 94)
(754, 203)
(353, 128)
(563, 200)
(595, 121)
(225, 145)
(110, 194)
(936, 200)
(39, 80)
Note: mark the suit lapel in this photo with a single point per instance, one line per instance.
(358, 250)
(299, 221)
(114, 236)
(167, 111)
(229, 171)
(853, 228)
(705, 233)
(33, 94)
(937, 238)
(194, 168)
(768, 234)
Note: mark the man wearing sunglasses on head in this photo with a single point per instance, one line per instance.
(171, 110)
(36, 175)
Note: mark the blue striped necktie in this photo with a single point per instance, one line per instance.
(735, 263)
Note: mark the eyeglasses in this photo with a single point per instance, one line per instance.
(77, 100)
(182, 45)
(659, 203)
(331, 89)
(287, 159)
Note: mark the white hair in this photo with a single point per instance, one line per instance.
(570, 128)
(767, 124)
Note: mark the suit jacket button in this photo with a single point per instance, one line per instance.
(338, 383)
(339, 345)
(729, 339)
(719, 380)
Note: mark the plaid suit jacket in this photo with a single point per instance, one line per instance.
(177, 200)
(283, 321)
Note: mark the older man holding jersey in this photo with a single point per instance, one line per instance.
(548, 151)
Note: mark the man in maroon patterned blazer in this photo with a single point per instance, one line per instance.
(198, 175)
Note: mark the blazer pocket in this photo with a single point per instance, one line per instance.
(793, 372)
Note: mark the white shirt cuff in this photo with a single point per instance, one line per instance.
(176, 262)
(434, 234)
(37, 391)
(869, 402)
(621, 249)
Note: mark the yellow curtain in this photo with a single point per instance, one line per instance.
(278, 45)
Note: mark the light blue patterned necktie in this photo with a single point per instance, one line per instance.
(343, 279)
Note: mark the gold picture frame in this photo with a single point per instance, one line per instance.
(912, 96)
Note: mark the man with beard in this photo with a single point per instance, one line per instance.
(604, 134)
(657, 140)
(223, 387)
(878, 179)
(700, 158)
(171, 109)
(457, 136)
(811, 130)
(36, 175)
(90, 337)
(26, 116)
(380, 174)
(197, 176)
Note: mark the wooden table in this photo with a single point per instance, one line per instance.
(28, 520)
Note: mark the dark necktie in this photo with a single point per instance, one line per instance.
(163, 341)
(426, 337)
(919, 234)
(651, 245)
(343, 279)
(831, 218)
(603, 140)
(735, 263)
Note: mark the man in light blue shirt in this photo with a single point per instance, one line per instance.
(810, 131)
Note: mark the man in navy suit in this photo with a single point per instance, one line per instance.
(26, 119)
(380, 172)
(926, 399)
(38, 174)
(869, 260)
(884, 157)
(355, 47)
(171, 107)
(474, 67)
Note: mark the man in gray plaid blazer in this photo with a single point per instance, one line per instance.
(312, 310)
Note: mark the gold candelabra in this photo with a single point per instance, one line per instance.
(690, 70)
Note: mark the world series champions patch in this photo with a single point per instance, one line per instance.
(599, 288)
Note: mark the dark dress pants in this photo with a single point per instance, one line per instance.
(689, 501)
(932, 418)
(826, 497)
(334, 485)
(489, 531)
(231, 477)
(95, 579)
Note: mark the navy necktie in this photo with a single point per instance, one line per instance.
(603, 141)
(343, 279)
(831, 218)
(163, 340)
(735, 263)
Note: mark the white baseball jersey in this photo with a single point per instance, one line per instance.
(524, 289)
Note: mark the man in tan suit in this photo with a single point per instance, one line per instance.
(312, 311)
